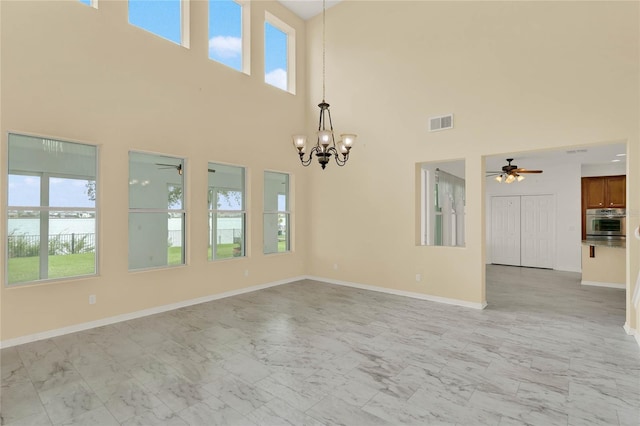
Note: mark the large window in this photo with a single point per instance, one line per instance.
(229, 33)
(156, 211)
(276, 213)
(227, 212)
(160, 17)
(279, 48)
(51, 209)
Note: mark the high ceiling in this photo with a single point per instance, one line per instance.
(586, 155)
(307, 8)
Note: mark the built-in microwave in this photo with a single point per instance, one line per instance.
(606, 223)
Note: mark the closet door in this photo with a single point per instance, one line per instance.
(505, 230)
(537, 231)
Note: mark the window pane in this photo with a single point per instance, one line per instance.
(227, 236)
(24, 190)
(225, 33)
(276, 233)
(275, 57)
(283, 232)
(87, 2)
(37, 156)
(71, 243)
(155, 239)
(276, 191)
(160, 17)
(72, 192)
(226, 187)
(23, 246)
(154, 181)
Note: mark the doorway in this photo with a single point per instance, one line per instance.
(523, 230)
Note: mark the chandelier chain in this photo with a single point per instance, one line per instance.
(323, 50)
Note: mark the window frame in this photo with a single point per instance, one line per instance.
(44, 196)
(212, 211)
(287, 212)
(290, 32)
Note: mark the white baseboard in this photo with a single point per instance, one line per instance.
(603, 284)
(632, 332)
(413, 295)
(138, 314)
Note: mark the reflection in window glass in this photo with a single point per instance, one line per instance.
(225, 33)
(51, 214)
(227, 215)
(276, 219)
(275, 57)
(156, 212)
(160, 17)
(443, 200)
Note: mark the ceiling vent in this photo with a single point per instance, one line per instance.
(443, 122)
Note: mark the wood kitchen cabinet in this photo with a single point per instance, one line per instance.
(603, 192)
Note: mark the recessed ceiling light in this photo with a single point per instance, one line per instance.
(615, 161)
(621, 155)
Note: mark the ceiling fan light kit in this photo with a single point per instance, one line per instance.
(511, 173)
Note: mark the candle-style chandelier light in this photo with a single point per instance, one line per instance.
(326, 145)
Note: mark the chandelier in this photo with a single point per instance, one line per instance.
(326, 146)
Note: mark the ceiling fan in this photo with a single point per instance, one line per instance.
(171, 166)
(510, 173)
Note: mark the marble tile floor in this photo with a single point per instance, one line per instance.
(546, 351)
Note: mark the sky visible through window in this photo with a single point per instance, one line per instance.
(275, 61)
(225, 33)
(24, 191)
(87, 2)
(160, 17)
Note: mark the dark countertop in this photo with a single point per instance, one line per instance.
(605, 243)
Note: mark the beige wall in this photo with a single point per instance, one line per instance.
(76, 73)
(606, 267)
(519, 76)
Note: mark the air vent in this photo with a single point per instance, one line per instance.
(443, 122)
(576, 151)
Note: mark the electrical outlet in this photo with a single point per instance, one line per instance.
(418, 277)
(92, 299)
(335, 266)
(246, 272)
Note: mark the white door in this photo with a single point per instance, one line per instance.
(505, 230)
(537, 231)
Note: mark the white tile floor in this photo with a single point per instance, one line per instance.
(546, 352)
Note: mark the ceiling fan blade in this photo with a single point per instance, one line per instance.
(527, 171)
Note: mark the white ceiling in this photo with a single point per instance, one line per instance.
(586, 155)
(307, 8)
